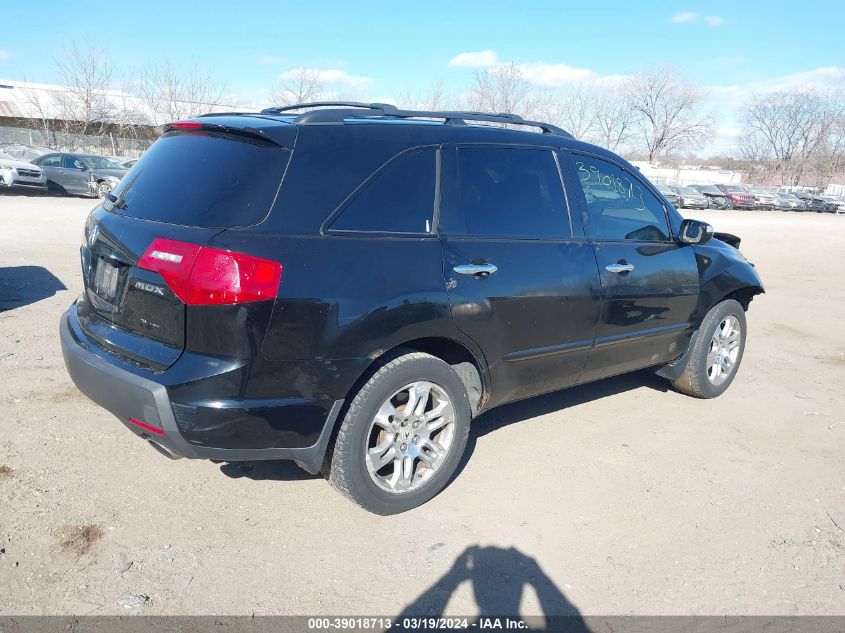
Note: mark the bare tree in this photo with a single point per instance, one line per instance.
(573, 109)
(86, 74)
(42, 117)
(434, 97)
(504, 89)
(171, 93)
(793, 127)
(299, 85)
(666, 110)
(614, 118)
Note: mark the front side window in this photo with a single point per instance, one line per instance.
(508, 192)
(71, 162)
(619, 207)
(399, 199)
(52, 161)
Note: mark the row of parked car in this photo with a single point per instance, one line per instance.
(749, 197)
(69, 173)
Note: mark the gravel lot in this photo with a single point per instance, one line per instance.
(613, 498)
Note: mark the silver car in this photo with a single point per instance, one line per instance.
(20, 174)
(763, 198)
(80, 174)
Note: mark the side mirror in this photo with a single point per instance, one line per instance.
(695, 232)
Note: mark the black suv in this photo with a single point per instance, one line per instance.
(348, 286)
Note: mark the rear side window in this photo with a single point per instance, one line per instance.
(204, 180)
(619, 207)
(509, 193)
(52, 161)
(399, 199)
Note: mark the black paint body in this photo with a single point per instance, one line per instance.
(251, 381)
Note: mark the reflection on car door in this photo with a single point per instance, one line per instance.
(650, 282)
(51, 165)
(522, 282)
(74, 175)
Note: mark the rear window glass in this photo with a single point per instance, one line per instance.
(203, 180)
(400, 199)
(506, 192)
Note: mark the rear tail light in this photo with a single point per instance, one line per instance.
(200, 275)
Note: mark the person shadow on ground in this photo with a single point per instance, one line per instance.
(498, 578)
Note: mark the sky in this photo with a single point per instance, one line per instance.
(732, 49)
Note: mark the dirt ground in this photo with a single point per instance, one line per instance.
(620, 497)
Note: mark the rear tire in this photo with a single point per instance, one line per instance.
(403, 435)
(717, 352)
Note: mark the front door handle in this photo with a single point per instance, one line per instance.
(479, 271)
(619, 267)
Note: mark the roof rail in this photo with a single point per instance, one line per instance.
(325, 104)
(338, 111)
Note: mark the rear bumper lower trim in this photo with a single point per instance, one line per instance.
(128, 395)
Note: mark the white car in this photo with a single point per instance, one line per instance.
(16, 173)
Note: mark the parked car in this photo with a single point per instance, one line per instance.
(80, 174)
(690, 198)
(405, 276)
(26, 153)
(763, 198)
(715, 198)
(670, 195)
(789, 202)
(813, 202)
(831, 203)
(737, 196)
(19, 174)
(124, 161)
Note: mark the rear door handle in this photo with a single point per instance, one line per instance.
(480, 271)
(619, 268)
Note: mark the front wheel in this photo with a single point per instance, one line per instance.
(403, 435)
(103, 189)
(717, 352)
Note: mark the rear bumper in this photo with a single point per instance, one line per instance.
(129, 395)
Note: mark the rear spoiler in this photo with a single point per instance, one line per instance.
(203, 126)
(728, 238)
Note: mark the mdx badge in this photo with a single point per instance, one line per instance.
(143, 285)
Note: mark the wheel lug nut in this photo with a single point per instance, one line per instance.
(403, 447)
(416, 439)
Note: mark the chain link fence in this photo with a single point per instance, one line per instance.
(106, 144)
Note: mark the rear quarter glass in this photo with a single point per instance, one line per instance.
(203, 179)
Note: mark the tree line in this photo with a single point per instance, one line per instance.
(788, 137)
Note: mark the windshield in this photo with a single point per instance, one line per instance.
(687, 191)
(5, 156)
(710, 189)
(788, 196)
(101, 162)
(734, 189)
(664, 189)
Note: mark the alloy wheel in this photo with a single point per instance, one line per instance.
(410, 437)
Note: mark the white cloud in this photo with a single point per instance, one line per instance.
(4, 56)
(548, 75)
(686, 16)
(729, 132)
(714, 20)
(475, 59)
(822, 79)
(332, 76)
